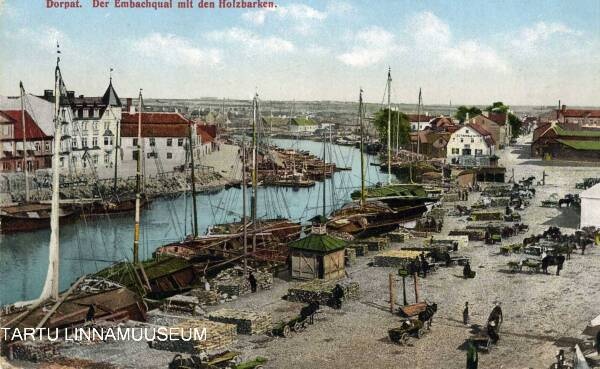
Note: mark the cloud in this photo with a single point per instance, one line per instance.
(374, 44)
(300, 17)
(340, 7)
(433, 40)
(530, 38)
(45, 38)
(429, 30)
(472, 54)
(176, 50)
(252, 42)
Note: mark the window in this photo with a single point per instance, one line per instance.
(135, 142)
(455, 151)
(152, 155)
(462, 140)
(83, 143)
(134, 154)
(38, 146)
(95, 159)
(478, 152)
(91, 112)
(74, 160)
(95, 127)
(96, 113)
(85, 113)
(84, 127)
(169, 155)
(472, 140)
(152, 141)
(47, 146)
(107, 140)
(180, 142)
(106, 158)
(169, 142)
(94, 141)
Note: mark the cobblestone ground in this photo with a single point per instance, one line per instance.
(542, 313)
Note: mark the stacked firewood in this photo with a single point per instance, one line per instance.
(376, 243)
(233, 282)
(395, 258)
(207, 298)
(197, 335)
(322, 291)
(247, 322)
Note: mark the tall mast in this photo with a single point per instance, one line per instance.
(138, 184)
(324, 174)
(244, 190)
(362, 146)
(117, 148)
(389, 126)
(25, 170)
(51, 285)
(195, 213)
(254, 169)
(419, 125)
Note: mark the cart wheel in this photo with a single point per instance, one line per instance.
(403, 339)
(297, 327)
(259, 367)
(286, 331)
(237, 359)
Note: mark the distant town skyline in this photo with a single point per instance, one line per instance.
(467, 52)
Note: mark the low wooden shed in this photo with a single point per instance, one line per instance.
(317, 256)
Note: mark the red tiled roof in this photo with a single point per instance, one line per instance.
(155, 125)
(155, 118)
(32, 131)
(499, 118)
(580, 113)
(205, 136)
(482, 131)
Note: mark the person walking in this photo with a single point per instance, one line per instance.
(466, 314)
(253, 284)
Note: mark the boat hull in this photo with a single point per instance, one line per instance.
(31, 217)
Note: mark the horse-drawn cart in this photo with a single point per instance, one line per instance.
(408, 328)
(297, 323)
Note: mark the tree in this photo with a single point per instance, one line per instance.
(461, 113)
(403, 129)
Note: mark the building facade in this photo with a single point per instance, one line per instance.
(589, 118)
(470, 142)
(37, 151)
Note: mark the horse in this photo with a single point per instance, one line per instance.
(427, 314)
(309, 311)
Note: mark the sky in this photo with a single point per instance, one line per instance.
(460, 52)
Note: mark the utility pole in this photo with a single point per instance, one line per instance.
(389, 126)
(138, 184)
(25, 169)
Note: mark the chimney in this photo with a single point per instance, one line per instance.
(128, 105)
(563, 107)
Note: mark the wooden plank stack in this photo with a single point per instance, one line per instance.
(350, 256)
(360, 249)
(180, 304)
(377, 243)
(399, 235)
(246, 321)
(206, 298)
(395, 258)
(473, 234)
(233, 282)
(218, 337)
(322, 291)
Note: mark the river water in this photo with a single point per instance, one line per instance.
(89, 245)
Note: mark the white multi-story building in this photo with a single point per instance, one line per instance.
(469, 142)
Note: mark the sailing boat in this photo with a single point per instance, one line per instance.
(373, 216)
(28, 215)
(396, 195)
(53, 310)
(225, 241)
